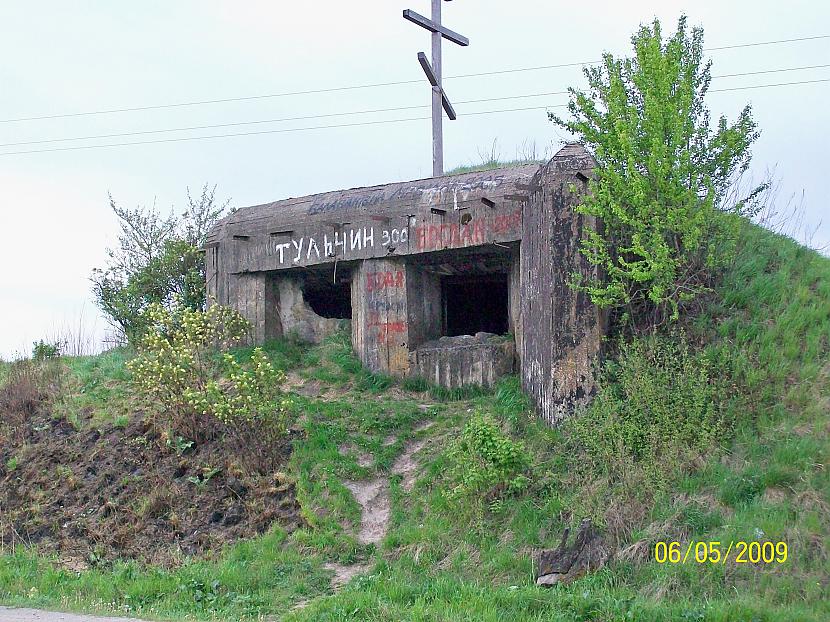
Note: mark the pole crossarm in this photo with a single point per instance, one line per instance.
(422, 58)
(433, 73)
(433, 80)
(446, 33)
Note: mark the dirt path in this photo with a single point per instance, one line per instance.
(373, 494)
(11, 614)
(376, 505)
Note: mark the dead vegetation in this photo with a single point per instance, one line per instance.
(93, 494)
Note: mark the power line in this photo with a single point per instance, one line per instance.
(278, 120)
(343, 125)
(355, 112)
(774, 42)
(755, 73)
(367, 86)
(758, 86)
(280, 131)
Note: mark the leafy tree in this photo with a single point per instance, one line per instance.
(660, 190)
(157, 261)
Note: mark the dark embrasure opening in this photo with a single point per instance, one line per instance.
(475, 304)
(329, 299)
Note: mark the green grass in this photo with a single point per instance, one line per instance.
(97, 385)
(490, 165)
(250, 577)
(769, 479)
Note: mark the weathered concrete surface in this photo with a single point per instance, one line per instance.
(12, 614)
(453, 362)
(275, 307)
(561, 328)
(296, 317)
(399, 218)
(380, 330)
(401, 245)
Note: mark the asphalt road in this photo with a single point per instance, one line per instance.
(11, 614)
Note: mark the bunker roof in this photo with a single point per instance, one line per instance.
(449, 192)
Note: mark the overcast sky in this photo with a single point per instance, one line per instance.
(61, 57)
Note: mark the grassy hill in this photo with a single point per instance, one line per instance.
(367, 448)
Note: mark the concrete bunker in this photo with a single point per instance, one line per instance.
(458, 279)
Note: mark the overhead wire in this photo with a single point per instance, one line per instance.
(342, 125)
(366, 86)
(369, 111)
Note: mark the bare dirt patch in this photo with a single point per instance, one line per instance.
(100, 494)
(343, 573)
(361, 457)
(373, 495)
(407, 466)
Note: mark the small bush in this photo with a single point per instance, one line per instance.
(253, 408)
(659, 407)
(43, 350)
(175, 363)
(194, 397)
(486, 464)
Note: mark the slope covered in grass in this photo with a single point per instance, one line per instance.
(761, 476)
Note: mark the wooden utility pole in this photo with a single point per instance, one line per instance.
(433, 73)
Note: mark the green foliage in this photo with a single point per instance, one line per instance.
(180, 445)
(174, 370)
(240, 582)
(662, 176)
(207, 474)
(177, 372)
(158, 261)
(511, 403)
(98, 385)
(443, 394)
(415, 384)
(250, 403)
(42, 350)
(335, 362)
(659, 406)
(485, 463)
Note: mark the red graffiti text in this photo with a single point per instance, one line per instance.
(376, 281)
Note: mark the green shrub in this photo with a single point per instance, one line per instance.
(157, 260)
(195, 397)
(42, 350)
(663, 175)
(253, 408)
(174, 361)
(486, 464)
(658, 408)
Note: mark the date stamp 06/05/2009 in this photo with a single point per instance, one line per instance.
(716, 552)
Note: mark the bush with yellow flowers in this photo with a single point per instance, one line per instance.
(194, 395)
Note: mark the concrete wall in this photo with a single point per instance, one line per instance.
(275, 307)
(380, 330)
(562, 329)
(423, 298)
(455, 362)
(295, 317)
